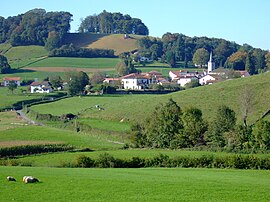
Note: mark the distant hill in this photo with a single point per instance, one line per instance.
(117, 42)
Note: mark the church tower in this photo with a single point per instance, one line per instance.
(211, 63)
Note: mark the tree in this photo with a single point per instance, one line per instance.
(12, 86)
(76, 82)
(4, 66)
(53, 41)
(224, 121)
(170, 58)
(248, 65)
(246, 102)
(97, 78)
(258, 60)
(261, 135)
(267, 60)
(200, 57)
(122, 68)
(236, 61)
(163, 125)
(194, 128)
(192, 84)
(56, 81)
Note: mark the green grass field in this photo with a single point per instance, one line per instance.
(77, 62)
(59, 184)
(21, 56)
(92, 140)
(206, 98)
(8, 99)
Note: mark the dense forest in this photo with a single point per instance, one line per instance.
(33, 27)
(173, 48)
(113, 23)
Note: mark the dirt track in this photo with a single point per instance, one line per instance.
(68, 69)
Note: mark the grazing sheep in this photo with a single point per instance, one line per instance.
(10, 178)
(30, 179)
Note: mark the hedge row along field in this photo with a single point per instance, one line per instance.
(33, 149)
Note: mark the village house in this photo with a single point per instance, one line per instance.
(209, 79)
(183, 80)
(111, 81)
(41, 87)
(16, 80)
(135, 81)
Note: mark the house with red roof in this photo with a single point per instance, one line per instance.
(16, 80)
(41, 87)
(135, 81)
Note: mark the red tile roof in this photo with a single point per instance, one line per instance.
(12, 78)
(46, 83)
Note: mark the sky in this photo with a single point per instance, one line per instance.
(242, 21)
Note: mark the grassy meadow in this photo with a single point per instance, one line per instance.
(60, 184)
(77, 62)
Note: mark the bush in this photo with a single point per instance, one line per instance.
(84, 162)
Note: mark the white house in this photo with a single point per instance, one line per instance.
(111, 81)
(183, 80)
(16, 80)
(135, 81)
(176, 75)
(208, 79)
(41, 87)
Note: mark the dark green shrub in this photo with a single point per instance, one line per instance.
(84, 162)
(105, 161)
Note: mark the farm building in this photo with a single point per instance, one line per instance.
(41, 87)
(16, 80)
(135, 81)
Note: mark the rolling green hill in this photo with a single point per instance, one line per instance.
(207, 98)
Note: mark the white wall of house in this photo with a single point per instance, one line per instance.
(183, 81)
(172, 75)
(135, 83)
(6, 83)
(206, 78)
(41, 89)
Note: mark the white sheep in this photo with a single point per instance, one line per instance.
(30, 179)
(10, 178)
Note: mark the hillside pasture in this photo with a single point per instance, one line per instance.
(61, 184)
(21, 56)
(206, 98)
(82, 39)
(10, 120)
(117, 42)
(95, 63)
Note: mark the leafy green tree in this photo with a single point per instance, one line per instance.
(170, 58)
(53, 41)
(76, 82)
(267, 60)
(12, 86)
(163, 125)
(200, 57)
(258, 60)
(56, 81)
(236, 61)
(261, 135)
(224, 121)
(192, 84)
(248, 65)
(4, 66)
(194, 128)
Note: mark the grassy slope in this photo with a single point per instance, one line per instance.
(136, 107)
(116, 42)
(77, 62)
(23, 55)
(7, 99)
(135, 185)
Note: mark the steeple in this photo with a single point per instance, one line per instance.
(211, 63)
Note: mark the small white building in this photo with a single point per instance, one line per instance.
(208, 79)
(111, 81)
(16, 80)
(41, 87)
(135, 81)
(186, 79)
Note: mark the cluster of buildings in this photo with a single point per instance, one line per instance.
(140, 81)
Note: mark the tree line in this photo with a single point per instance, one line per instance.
(174, 48)
(113, 23)
(171, 127)
(33, 27)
